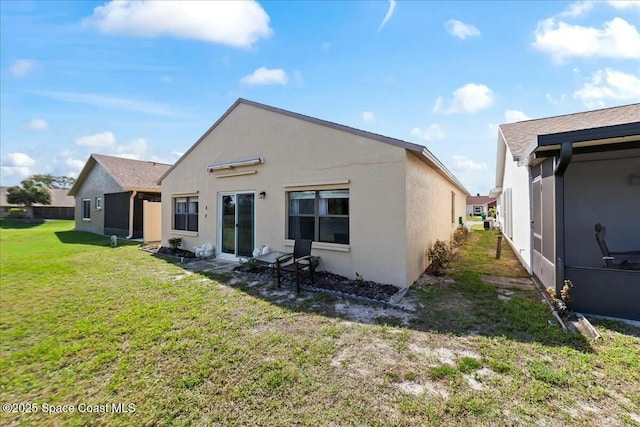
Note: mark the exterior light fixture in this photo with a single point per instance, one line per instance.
(262, 195)
(234, 164)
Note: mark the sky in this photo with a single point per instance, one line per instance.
(145, 80)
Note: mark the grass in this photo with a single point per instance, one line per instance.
(83, 323)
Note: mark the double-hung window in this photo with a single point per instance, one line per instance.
(86, 209)
(322, 216)
(185, 213)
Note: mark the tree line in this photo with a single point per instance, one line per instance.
(36, 189)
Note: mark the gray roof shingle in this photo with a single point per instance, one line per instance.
(521, 135)
(128, 173)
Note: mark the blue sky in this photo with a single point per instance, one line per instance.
(146, 79)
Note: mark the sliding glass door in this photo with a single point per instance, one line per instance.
(236, 225)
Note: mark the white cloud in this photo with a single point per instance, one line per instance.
(555, 100)
(511, 116)
(461, 30)
(231, 23)
(624, 4)
(368, 117)
(469, 98)
(109, 101)
(136, 149)
(36, 124)
(17, 164)
(76, 165)
(107, 143)
(465, 163)
(617, 39)
(266, 76)
(609, 85)
(433, 132)
(388, 15)
(100, 140)
(576, 9)
(21, 67)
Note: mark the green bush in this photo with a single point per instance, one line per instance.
(438, 255)
(460, 235)
(17, 213)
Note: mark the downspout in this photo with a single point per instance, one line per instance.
(131, 204)
(566, 152)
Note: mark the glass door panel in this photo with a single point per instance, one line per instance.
(245, 216)
(228, 224)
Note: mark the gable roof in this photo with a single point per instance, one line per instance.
(479, 200)
(129, 174)
(59, 198)
(519, 136)
(420, 151)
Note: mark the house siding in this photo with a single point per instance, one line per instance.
(297, 152)
(516, 221)
(96, 184)
(428, 213)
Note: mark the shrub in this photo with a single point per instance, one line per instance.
(175, 243)
(438, 255)
(460, 235)
(17, 213)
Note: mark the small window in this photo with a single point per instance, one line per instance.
(86, 209)
(453, 207)
(185, 213)
(98, 203)
(322, 216)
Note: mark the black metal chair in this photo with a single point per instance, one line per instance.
(295, 262)
(620, 260)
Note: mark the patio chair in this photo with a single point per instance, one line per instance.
(620, 260)
(294, 262)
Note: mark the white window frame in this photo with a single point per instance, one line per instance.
(86, 213)
(98, 203)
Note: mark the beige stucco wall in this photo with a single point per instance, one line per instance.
(299, 152)
(96, 184)
(428, 213)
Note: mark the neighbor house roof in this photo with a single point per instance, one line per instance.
(131, 175)
(479, 200)
(420, 151)
(59, 198)
(521, 135)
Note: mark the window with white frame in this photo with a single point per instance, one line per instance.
(86, 209)
(319, 215)
(98, 203)
(185, 213)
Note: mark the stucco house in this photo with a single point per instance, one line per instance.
(558, 177)
(263, 176)
(62, 206)
(118, 196)
(477, 205)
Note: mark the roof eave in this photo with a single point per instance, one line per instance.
(433, 161)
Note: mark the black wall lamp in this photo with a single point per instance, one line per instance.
(262, 195)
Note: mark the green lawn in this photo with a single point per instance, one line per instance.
(84, 324)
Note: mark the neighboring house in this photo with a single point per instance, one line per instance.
(119, 196)
(262, 176)
(556, 179)
(62, 206)
(477, 205)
